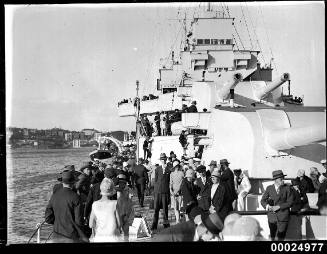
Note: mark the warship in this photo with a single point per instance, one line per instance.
(243, 114)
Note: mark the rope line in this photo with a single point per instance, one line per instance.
(234, 28)
(256, 36)
(264, 26)
(246, 24)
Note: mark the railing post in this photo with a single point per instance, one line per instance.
(38, 239)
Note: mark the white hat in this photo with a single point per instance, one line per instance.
(323, 161)
(125, 164)
(196, 159)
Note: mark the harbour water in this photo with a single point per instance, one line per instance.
(31, 174)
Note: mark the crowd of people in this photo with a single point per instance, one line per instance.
(94, 203)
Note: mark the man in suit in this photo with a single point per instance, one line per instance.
(218, 196)
(227, 177)
(189, 192)
(64, 211)
(141, 179)
(161, 192)
(277, 200)
(206, 229)
(203, 183)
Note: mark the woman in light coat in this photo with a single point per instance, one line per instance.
(104, 218)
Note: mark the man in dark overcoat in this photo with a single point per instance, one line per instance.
(189, 192)
(218, 195)
(65, 212)
(227, 177)
(277, 200)
(161, 192)
(141, 179)
(203, 183)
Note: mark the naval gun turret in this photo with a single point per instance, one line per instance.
(289, 138)
(224, 92)
(263, 92)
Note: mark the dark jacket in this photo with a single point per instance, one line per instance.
(227, 177)
(140, 175)
(322, 189)
(97, 177)
(182, 140)
(93, 195)
(204, 192)
(125, 212)
(220, 200)
(300, 200)
(161, 181)
(189, 192)
(284, 199)
(56, 187)
(145, 145)
(64, 211)
(306, 184)
(181, 232)
(83, 184)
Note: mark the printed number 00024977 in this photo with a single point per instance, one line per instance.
(295, 247)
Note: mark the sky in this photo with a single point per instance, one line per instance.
(68, 66)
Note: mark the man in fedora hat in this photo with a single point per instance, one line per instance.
(64, 211)
(59, 185)
(277, 200)
(203, 183)
(206, 228)
(227, 177)
(218, 196)
(161, 191)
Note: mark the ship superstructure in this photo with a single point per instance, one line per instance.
(243, 112)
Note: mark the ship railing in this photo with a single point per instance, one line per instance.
(38, 229)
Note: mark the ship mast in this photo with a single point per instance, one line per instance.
(137, 121)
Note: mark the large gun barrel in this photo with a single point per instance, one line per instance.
(262, 93)
(293, 137)
(224, 91)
